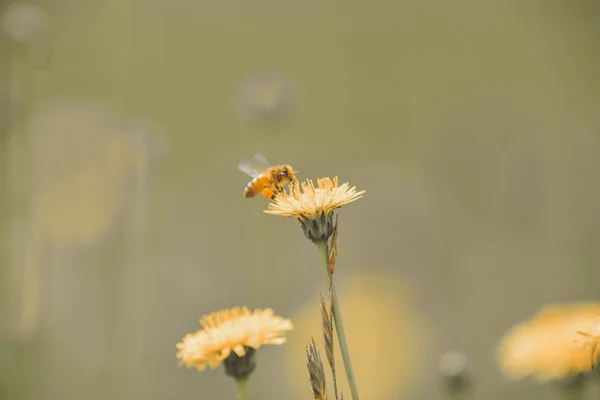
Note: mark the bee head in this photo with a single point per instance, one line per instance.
(286, 173)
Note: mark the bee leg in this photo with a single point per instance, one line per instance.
(272, 192)
(268, 193)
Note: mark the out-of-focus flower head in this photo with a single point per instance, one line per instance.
(82, 157)
(267, 95)
(23, 22)
(453, 366)
(28, 27)
(551, 345)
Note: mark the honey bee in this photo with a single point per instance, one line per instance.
(266, 178)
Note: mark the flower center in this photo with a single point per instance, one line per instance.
(240, 367)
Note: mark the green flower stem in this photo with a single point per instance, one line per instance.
(242, 389)
(339, 325)
(324, 250)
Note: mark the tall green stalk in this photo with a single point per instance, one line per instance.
(242, 388)
(339, 325)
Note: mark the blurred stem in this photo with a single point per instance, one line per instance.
(573, 394)
(574, 387)
(460, 394)
(242, 389)
(337, 318)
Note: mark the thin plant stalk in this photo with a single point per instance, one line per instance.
(333, 371)
(459, 394)
(327, 325)
(339, 325)
(242, 389)
(324, 251)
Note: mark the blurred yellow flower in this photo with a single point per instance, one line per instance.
(549, 345)
(233, 333)
(78, 190)
(387, 338)
(314, 206)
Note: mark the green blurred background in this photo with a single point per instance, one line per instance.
(472, 125)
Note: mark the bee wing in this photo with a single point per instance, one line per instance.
(255, 165)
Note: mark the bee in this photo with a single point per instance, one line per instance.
(266, 178)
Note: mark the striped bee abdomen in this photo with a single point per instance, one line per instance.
(255, 186)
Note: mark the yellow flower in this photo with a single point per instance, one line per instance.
(549, 345)
(314, 206)
(232, 336)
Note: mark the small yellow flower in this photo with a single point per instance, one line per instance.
(314, 206)
(552, 345)
(232, 336)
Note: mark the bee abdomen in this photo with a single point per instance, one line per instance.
(249, 190)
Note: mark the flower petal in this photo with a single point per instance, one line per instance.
(230, 331)
(239, 350)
